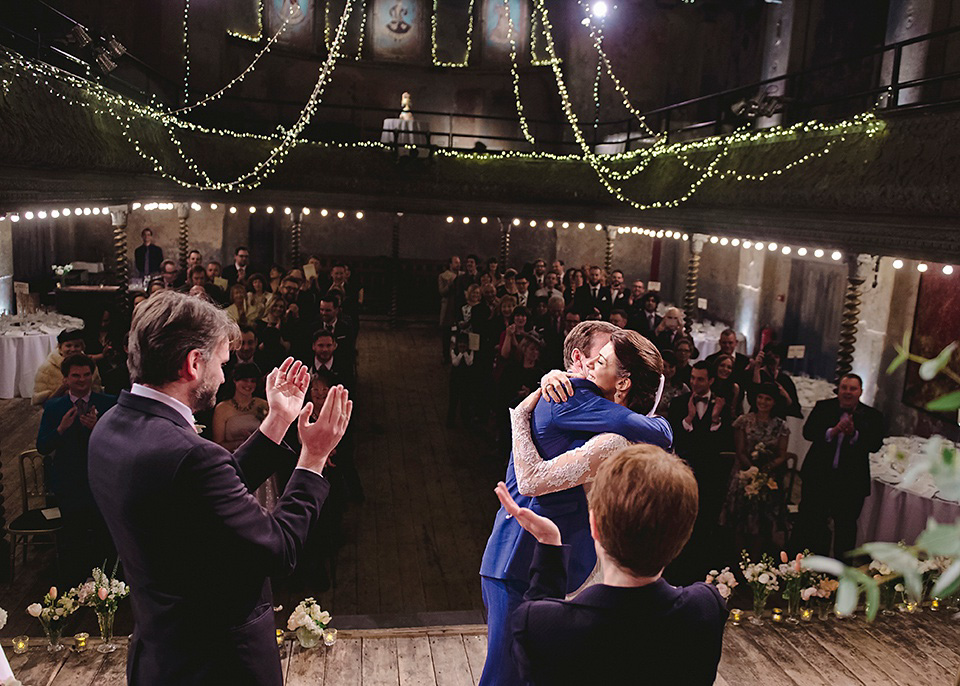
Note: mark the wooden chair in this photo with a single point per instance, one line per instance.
(32, 523)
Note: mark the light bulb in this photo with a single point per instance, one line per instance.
(772, 246)
(66, 211)
(87, 211)
(78, 211)
(723, 241)
(758, 246)
(341, 214)
(747, 245)
(735, 242)
(195, 206)
(15, 218)
(287, 210)
(686, 237)
(550, 224)
(786, 250)
(135, 206)
(306, 212)
(714, 239)
(105, 210)
(233, 210)
(836, 255)
(516, 222)
(922, 267)
(28, 215)
(581, 225)
(269, 209)
(449, 220)
(96, 210)
(55, 214)
(565, 225)
(323, 213)
(252, 209)
(947, 269)
(483, 220)
(533, 223)
(466, 220)
(41, 215)
(898, 264)
(818, 253)
(801, 251)
(359, 215)
(214, 206)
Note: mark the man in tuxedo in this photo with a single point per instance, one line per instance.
(836, 471)
(194, 259)
(340, 327)
(627, 629)
(467, 278)
(248, 352)
(325, 357)
(700, 422)
(63, 439)
(181, 509)
(238, 271)
(593, 300)
(539, 272)
(646, 320)
(147, 257)
(619, 296)
(728, 346)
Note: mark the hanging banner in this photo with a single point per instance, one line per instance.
(299, 30)
(399, 29)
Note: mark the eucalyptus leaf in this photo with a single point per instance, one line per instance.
(930, 368)
(847, 594)
(824, 565)
(940, 539)
(948, 582)
(872, 589)
(945, 403)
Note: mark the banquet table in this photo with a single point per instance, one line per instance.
(25, 342)
(405, 132)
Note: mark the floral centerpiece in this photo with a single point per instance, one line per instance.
(308, 621)
(53, 614)
(724, 580)
(103, 594)
(763, 579)
(819, 593)
(794, 577)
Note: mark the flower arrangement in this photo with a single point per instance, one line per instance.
(724, 580)
(53, 614)
(103, 594)
(309, 621)
(763, 578)
(795, 577)
(755, 483)
(61, 269)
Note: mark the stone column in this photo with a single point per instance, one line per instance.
(6, 265)
(856, 268)
(776, 55)
(693, 276)
(608, 255)
(296, 234)
(504, 243)
(118, 217)
(183, 240)
(878, 301)
(749, 285)
(395, 269)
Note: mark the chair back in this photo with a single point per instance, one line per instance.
(790, 480)
(33, 482)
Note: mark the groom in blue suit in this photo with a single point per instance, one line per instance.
(557, 428)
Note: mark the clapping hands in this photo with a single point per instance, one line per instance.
(320, 438)
(541, 528)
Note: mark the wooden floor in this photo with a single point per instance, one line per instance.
(914, 650)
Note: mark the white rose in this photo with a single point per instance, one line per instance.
(34, 610)
(764, 579)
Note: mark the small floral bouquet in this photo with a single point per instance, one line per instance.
(795, 578)
(103, 594)
(756, 484)
(724, 580)
(888, 581)
(61, 269)
(309, 621)
(53, 614)
(763, 578)
(819, 593)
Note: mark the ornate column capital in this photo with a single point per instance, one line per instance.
(119, 215)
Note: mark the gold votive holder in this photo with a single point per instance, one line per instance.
(329, 636)
(806, 614)
(911, 606)
(80, 641)
(777, 615)
(935, 605)
(20, 644)
(280, 638)
(736, 616)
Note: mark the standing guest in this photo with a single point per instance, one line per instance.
(276, 275)
(683, 349)
(467, 278)
(147, 257)
(724, 385)
(63, 439)
(258, 293)
(216, 293)
(557, 268)
(519, 325)
(156, 285)
(554, 331)
(237, 419)
(169, 273)
(646, 321)
(342, 328)
(49, 382)
(237, 272)
(138, 297)
(523, 290)
(498, 326)
(301, 314)
(766, 369)
(272, 332)
(728, 346)
(465, 319)
(181, 509)
(493, 269)
(619, 296)
(247, 353)
(194, 259)
(594, 301)
(761, 441)
(240, 309)
(669, 330)
(538, 273)
(99, 337)
(349, 304)
(633, 300)
(642, 509)
(325, 358)
(618, 318)
(445, 286)
(570, 320)
(509, 284)
(214, 270)
(521, 372)
(572, 281)
(671, 387)
(836, 471)
(461, 383)
(550, 280)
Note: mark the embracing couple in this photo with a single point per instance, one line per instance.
(603, 404)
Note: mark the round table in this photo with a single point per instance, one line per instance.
(405, 132)
(891, 513)
(25, 343)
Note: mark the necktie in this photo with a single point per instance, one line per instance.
(840, 439)
(596, 292)
(81, 406)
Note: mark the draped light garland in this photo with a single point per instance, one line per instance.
(252, 37)
(514, 74)
(437, 62)
(186, 50)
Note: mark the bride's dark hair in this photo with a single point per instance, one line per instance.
(638, 359)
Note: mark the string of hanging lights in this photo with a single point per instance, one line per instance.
(437, 62)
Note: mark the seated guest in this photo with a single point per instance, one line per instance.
(766, 369)
(325, 357)
(238, 418)
(169, 273)
(634, 627)
(240, 310)
(156, 285)
(63, 438)
(258, 293)
(247, 353)
(671, 387)
(618, 318)
(216, 293)
(49, 381)
(644, 319)
(194, 259)
(237, 272)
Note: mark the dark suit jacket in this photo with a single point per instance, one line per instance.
(701, 442)
(656, 634)
(853, 470)
(66, 463)
(197, 548)
(230, 273)
(585, 303)
(147, 259)
(640, 324)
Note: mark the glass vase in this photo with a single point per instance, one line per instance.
(308, 639)
(823, 608)
(53, 630)
(888, 599)
(760, 594)
(792, 596)
(105, 620)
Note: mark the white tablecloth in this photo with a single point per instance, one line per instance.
(25, 342)
(893, 514)
(404, 132)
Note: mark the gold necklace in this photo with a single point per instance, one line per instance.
(245, 408)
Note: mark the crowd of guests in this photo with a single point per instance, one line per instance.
(301, 312)
(502, 330)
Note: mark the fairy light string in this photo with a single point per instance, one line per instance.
(252, 37)
(515, 75)
(437, 62)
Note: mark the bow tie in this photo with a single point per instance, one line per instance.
(700, 399)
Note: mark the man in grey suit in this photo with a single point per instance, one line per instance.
(197, 548)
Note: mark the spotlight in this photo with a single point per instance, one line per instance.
(600, 9)
(922, 267)
(115, 47)
(836, 255)
(103, 60)
(947, 269)
(269, 209)
(359, 215)
(79, 35)
(818, 253)
(233, 210)
(898, 264)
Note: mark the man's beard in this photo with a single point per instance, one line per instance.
(205, 395)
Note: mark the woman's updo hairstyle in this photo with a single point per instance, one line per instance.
(639, 360)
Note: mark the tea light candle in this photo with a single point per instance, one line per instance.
(736, 616)
(20, 644)
(935, 605)
(80, 641)
(806, 614)
(279, 638)
(777, 614)
(911, 606)
(329, 636)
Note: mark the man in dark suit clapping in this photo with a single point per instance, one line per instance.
(197, 548)
(593, 300)
(836, 471)
(634, 627)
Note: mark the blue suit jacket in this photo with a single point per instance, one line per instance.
(557, 428)
(66, 455)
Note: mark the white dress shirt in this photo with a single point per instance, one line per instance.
(168, 400)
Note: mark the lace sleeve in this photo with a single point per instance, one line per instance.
(536, 476)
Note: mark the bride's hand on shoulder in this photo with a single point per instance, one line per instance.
(556, 386)
(530, 402)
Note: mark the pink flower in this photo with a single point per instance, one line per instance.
(102, 594)
(53, 593)
(783, 556)
(808, 593)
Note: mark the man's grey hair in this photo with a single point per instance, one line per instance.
(166, 327)
(581, 337)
